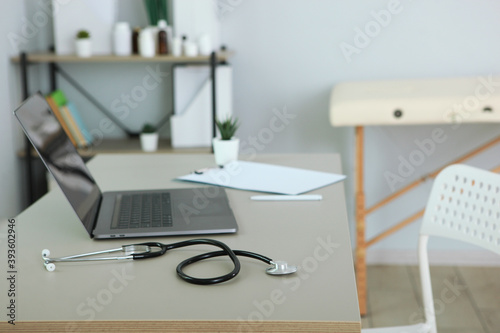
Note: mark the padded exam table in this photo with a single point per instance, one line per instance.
(407, 102)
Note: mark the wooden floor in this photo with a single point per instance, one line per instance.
(467, 299)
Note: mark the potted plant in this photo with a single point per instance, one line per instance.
(149, 138)
(83, 44)
(226, 147)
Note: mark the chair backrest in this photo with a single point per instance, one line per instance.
(464, 204)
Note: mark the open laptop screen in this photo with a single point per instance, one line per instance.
(60, 157)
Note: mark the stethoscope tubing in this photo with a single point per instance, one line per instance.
(233, 255)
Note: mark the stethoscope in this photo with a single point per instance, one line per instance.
(154, 249)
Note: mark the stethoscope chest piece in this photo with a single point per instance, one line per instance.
(280, 268)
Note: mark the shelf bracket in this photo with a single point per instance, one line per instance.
(92, 100)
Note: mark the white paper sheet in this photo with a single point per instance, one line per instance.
(265, 178)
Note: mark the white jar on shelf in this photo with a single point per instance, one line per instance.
(147, 43)
(122, 39)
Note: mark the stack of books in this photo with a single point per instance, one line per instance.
(70, 119)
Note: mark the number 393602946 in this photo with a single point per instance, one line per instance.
(11, 243)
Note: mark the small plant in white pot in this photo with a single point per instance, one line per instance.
(83, 44)
(149, 138)
(226, 147)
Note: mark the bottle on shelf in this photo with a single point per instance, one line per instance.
(183, 43)
(135, 40)
(122, 39)
(162, 37)
(147, 45)
(190, 49)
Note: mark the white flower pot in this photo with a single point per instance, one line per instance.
(149, 141)
(83, 47)
(225, 151)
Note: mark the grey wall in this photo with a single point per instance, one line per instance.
(289, 56)
(11, 177)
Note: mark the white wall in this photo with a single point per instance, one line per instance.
(11, 171)
(289, 55)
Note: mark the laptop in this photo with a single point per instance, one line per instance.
(119, 214)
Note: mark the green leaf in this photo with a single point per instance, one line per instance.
(157, 10)
(148, 128)
(82, 34)
(227, 127)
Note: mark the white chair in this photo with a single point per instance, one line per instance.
(464, 204)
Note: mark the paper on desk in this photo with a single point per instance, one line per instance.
(265, 178)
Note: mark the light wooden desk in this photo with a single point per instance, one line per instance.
(147, 295)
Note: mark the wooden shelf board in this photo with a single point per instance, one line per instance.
(128, 146)
(51, 57)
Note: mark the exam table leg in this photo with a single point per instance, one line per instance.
(360, 222)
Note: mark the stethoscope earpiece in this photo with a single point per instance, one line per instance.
(48, 265)
(45, 253)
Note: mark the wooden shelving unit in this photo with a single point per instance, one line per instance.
(48, 57)
(129, 144)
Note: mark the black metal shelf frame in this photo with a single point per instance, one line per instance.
(55, 69)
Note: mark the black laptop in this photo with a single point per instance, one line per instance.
(107, 215)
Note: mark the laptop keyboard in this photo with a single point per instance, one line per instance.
(145, 210)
